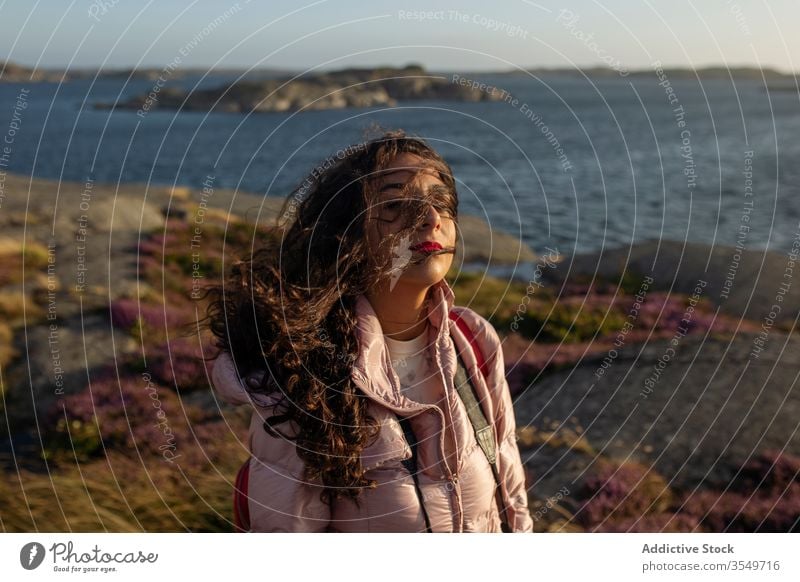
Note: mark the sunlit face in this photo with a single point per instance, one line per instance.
(423, 257)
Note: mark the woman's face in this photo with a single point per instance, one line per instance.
(422, 257)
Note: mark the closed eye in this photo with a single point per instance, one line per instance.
(392, 186)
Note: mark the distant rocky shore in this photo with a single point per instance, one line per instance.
(13, 73)
(331, 90)
(16, 73)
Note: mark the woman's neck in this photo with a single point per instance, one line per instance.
(400, 311)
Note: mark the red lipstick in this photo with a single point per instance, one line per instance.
(426, 247)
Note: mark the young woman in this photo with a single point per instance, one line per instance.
(342, 333)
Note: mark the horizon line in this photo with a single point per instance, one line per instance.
(562, 69)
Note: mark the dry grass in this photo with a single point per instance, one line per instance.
(181, 193)
(7, 351)
(13, 304)
(119, 493)
(571, 438)
(35, 253)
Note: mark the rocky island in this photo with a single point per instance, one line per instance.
(372, 87)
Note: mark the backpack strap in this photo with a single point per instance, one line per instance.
(484, 434)
(483, 430)
(411, 467)
(473, 342)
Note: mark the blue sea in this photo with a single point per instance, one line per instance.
(573, 164)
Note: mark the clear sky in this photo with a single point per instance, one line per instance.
(460, 35)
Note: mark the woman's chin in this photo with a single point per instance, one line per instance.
(424, 275)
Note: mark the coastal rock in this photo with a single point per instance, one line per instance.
(347, 88)
(743, 284)
(484, 247)
(710, 410)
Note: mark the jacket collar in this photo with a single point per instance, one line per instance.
(372, 368)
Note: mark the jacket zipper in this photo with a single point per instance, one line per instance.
(450, 475)
(453, 478)
(396, 380)
(456, 507)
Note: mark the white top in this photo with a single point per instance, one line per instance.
(418, 380)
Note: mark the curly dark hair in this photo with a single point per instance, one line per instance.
(289, 307)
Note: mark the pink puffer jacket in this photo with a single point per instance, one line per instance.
(456, 482)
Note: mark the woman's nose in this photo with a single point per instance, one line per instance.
(432, 217)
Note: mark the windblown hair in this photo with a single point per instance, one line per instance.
(289, 308)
